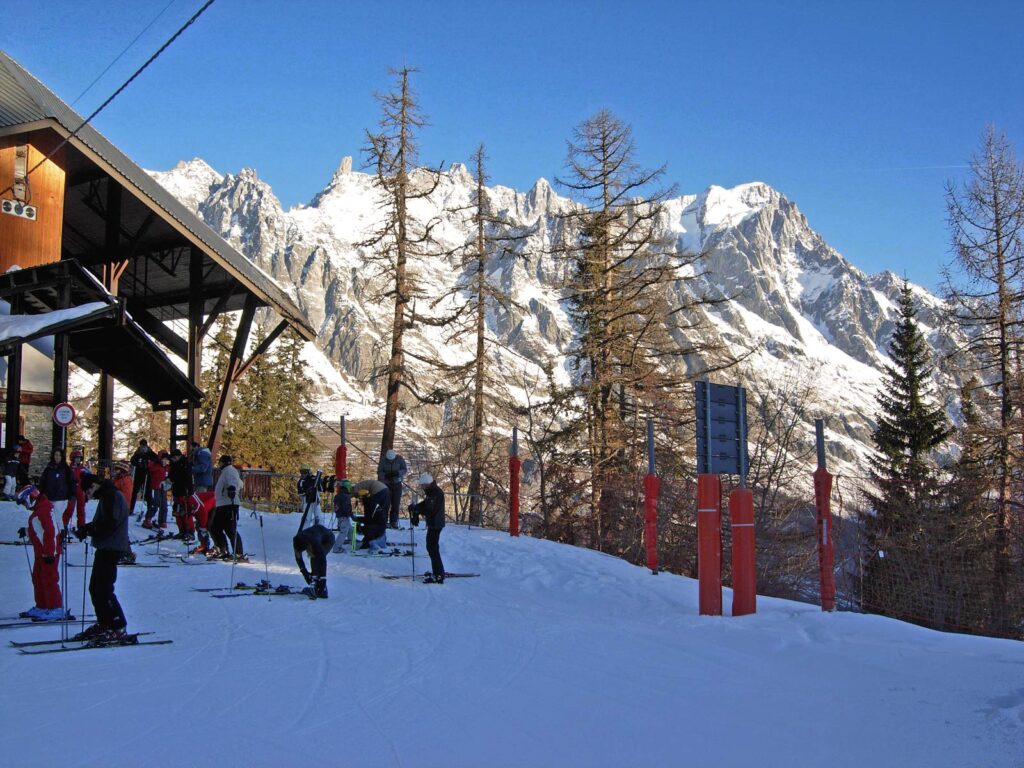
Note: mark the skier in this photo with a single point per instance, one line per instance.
(109, 532)
(224, 528)
(11, 465)
(309, 491)
(315, 541)
(76, 505)
(139, 461)
(57, 484)
(391, 471)
(123, 481)
(343, 514)
(24, 448)
(156, 499)
(432, 509)
(182, 489)
(376, 503)
(47, 550)
(202, 467)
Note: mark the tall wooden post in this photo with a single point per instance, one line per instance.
(195, 325)
(514, 465)
(12, 421)
(227, 392)
(651, 503)
(112, 247)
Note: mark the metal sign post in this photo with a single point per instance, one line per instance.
(64, 416)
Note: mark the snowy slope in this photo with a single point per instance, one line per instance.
(555, 656)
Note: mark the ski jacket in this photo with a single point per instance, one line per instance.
(109, 526)
(25, 449)
(57, 482)
(342, 503)
(372, 487)
(393, 471)
(180, 475)
(11, 466)
(124, 484)
(229, 477)
(142, 456)
(157, 473)
(202, 467)
(308, 490)
(432, 507)
(41, 531)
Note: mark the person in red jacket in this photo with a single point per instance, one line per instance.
(76, 504)
(156, 499)
(47, 549)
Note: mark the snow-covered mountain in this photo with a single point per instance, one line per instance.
(795, 304)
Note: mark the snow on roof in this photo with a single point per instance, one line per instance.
(21, 326)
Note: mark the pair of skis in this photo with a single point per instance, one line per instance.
(129, 641)
(447, 576)
(262, 589)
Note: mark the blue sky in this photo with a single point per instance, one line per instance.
(857, 111)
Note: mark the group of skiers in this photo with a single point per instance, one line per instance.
(63, 489)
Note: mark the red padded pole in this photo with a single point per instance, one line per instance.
(826, 552)
(709, 544)
(744, 572)
(651, 521)
(513, 495)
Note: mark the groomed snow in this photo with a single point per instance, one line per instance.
(555, 656)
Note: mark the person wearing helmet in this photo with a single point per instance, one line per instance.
(47, 550)
(376, 503)
(76, 504)
(391, 470)
(432, 510)
(109, 532)
(343, 514)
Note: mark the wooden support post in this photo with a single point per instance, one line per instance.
(709, 544)
(227, 391)
(195, 325)
(112, 270)
(12, 421)
(61, 351)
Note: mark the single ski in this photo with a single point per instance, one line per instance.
(32, 623)
(125, 565)
(55, 642)
(186, 559)
(96, 646)
(239, 586)
(154, 539)
(280, 591)
(14, 543)
(419, 576)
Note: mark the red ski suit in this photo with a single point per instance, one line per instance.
(76, 502)
(43, 535)
(194, 508)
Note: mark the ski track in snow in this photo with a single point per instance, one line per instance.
(554, 656)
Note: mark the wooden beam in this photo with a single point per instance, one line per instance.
(227, 391)
(262, 348)
(12, 421)
(195, 342)
(155, 328)
(218, 308)
(112, 243)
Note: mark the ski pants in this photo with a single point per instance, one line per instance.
(395, 489)
(434, 550)
(140, 484)
(315, 541)
(101, 589)
(76, 506)
(46, 582)
(224, 530)
(156, 504)
(344, 533)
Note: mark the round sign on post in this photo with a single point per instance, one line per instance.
(64, 415)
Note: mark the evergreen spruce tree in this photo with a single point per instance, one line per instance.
(907, 499)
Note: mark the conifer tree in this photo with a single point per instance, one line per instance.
(907, 498)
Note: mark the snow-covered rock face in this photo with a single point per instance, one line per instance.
(792, 299)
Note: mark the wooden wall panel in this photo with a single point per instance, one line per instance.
(25, 242)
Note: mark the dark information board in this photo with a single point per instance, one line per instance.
(721, 429)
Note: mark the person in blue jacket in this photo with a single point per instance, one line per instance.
(202, 467)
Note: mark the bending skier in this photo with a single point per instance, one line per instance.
(109, 532)
(376, 503)
(315, 541)
(432, 509)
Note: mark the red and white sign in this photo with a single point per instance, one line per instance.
(64, 415)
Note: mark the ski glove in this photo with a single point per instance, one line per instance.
(48, 559)
(22, 533)
(231, 492)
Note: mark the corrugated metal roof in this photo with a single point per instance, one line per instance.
(23, 99)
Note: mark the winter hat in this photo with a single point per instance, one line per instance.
(390, 455)
(426, 479)
(304, 468)
(175, 453)
(225, 460)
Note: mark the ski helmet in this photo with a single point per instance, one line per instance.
(426, 479)
(390, 455)
(28, 496)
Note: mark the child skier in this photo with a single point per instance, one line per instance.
(47, 550)
(343, 514)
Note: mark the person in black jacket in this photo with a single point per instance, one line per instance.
(109, 531)
(315, 541)
(432, 510)
(182, 489)
(57, 483)
(140, 475)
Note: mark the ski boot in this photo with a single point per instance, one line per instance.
(96, 630)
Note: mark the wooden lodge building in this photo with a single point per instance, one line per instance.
(99, 257)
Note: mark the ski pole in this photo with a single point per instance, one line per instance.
(412, 548)
(266, 566)
(64, 587)
(85, 573)
(234, 549)
(24, 546)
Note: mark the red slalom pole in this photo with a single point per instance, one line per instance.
(744, 572)
(514, 465)
(823, 506)
(709, 544)
(651, 504)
